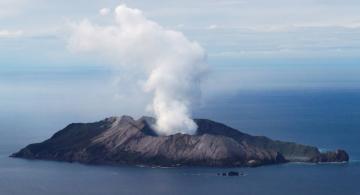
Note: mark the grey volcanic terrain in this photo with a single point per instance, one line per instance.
(123, 140)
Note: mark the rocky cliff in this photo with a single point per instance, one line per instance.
(123, 140)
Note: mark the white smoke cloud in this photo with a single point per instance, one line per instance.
(172, 65)
(104, 11)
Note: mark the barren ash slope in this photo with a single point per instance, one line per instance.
(123, 140)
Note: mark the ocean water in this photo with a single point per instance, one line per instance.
(325, 118)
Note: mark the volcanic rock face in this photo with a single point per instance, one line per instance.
(127, 141)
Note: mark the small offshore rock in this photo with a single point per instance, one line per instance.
(233, 173)
(230, 173)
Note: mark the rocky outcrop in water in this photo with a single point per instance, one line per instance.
(123, 140)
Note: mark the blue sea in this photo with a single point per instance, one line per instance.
(326, 118)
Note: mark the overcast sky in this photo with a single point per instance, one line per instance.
(255, 44)
(227, 29)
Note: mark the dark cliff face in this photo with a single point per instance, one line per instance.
(127, 141)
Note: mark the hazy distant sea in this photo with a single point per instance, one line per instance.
(329, 119)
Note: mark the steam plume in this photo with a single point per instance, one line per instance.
(173, 65)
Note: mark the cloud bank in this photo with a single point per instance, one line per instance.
(10, 34)
(172, 66)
